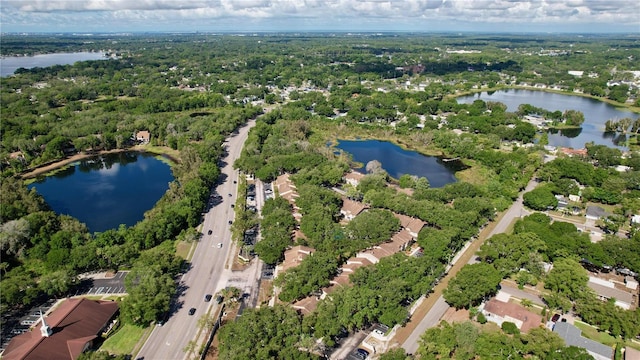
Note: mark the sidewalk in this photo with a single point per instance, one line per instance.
(408, 336)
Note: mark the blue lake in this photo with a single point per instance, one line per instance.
(596, 113)
(106, 191)
(397, 161)
(9, 64)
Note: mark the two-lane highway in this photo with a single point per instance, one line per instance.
(207, 273)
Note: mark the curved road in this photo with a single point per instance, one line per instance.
(207, 273)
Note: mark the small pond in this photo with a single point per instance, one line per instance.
(596, 113)
(108, 190)
(397, 161)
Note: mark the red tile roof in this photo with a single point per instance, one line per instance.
(529, 319)
(75, 323)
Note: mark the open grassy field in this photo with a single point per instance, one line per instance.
(124, 340)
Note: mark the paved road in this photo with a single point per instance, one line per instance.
(207, 274)
(430, 320)
(440, 307)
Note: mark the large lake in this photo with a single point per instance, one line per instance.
(397, 161)
(106, 191)
(9, 64)
(596, 113)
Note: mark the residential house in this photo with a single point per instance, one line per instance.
(350, 209)
(574, 198)
(66, 333)
(631, 353)
(595, 213)
(606, 290)
(353, 178)
(498, 312)
(288, 190)
(572, 336)
(412, 225)
(574, 152)
(143, 136)
(294, 256)
(630, 283)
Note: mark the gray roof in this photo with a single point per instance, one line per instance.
(573, 337)
(596, 211)
(610, 293)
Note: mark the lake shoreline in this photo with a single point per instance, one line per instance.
(623, 106)
(48, 167)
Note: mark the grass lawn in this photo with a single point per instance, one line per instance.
(182, 249)
(592, 333)
(123, 341)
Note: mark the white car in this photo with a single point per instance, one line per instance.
(219, 245)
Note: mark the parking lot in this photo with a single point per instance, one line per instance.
(102, 285)
(13, 325)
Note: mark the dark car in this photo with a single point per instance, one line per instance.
(219, 299)
(361, 353)
(230, 195)
(210, 232)
(555, 317)
(235, 182)
(192, 311)
(230, 222)
(207, 298)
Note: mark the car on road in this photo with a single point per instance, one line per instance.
(219, 245)
(192, 311)
(230, 222)
(230, 195)
(232, 206)
(210, 232)
(207, 298)
(235, 182)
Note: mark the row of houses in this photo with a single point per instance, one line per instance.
(400, 241)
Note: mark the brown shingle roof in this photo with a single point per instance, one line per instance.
(307, 305)
(529, 320)
(75, 323)
(351, 208)
(294, 256)
(412, 224)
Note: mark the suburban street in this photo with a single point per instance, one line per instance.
(210, 265)
(435, 310)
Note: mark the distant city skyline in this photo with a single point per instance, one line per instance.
(513, 16)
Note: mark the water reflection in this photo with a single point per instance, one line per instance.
(596, 113)
(106, 191)
(397, 161)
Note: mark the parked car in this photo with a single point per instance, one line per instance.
(361, 353)
(219, 245)
(192, 311)
(210, 232)
(207, 298)
(219, 299)
(230, 222)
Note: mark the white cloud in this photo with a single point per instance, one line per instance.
(327, 14)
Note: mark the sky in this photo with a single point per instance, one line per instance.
(515, 16)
